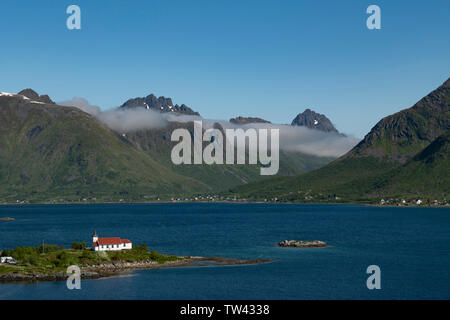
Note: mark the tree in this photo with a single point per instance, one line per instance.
(141, 247)
(76, 246)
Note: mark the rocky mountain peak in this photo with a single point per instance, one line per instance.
(400, 136)
(161, 104)
(29, 93)
(314, 120)
(246, 120)
(33, 95)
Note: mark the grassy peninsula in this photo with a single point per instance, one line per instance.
(50, 262)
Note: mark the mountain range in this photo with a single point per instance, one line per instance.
(161, 104)
(60, 152)
(404, 154)
(55, 152)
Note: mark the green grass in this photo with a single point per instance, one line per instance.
(51, 258)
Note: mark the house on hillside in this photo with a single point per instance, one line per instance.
(9, 260)
(110, 244)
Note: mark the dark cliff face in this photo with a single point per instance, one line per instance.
(161, 104)
(246, 120)
(314, 120)
(33, 95)
(400, 136)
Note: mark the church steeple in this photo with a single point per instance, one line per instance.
(95, 237)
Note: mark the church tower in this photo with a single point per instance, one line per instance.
(94, 237)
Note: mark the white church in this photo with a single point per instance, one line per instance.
(110, 244)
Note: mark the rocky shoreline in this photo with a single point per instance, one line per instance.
(116, 268)
(7, 219)
(302, 244)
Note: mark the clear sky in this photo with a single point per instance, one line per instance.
(270, 59)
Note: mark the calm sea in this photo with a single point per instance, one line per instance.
(410, 245)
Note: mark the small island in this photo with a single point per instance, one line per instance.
(302, 244)
(7, 219)
(50, 262)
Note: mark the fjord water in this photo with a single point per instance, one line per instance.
(410, 245)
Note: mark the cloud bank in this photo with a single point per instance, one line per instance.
(292, 138)
(82, 104)
(119, 120)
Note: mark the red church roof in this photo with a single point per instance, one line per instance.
(108, 241)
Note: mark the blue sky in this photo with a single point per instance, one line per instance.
(270, 59)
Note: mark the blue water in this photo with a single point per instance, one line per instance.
(411, 246)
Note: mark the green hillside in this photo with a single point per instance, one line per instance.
(426, 175)
(157, 144)
(423, 176)
(50, 151)
(400, 136)
(376, 165)
(318, 185)
(364, 180)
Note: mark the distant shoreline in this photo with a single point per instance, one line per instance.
(228, 202)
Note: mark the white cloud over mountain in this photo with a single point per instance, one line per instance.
(292, 138)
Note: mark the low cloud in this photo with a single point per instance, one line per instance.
(315, 142)
(292, 138)
(132, 119)
(301, 139)
(82, 104)
(121, 120)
